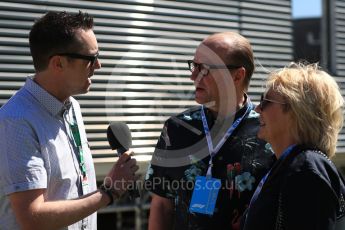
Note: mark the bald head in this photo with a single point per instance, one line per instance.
(233, 49)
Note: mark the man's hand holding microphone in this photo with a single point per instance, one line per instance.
(121, 177)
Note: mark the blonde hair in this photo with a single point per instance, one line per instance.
(314, 102)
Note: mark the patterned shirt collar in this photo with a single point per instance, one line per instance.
(247, 102)
(48, 101)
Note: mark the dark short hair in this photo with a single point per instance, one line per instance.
(55, 33)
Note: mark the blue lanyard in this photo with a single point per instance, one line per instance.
(263, 180)
(213, 151)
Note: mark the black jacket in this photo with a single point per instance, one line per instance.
(311, 192)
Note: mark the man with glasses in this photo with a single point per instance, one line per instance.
(219, 138)
(47, 176)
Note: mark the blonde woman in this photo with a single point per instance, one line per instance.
(300, 116)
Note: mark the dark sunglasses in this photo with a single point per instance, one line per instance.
(90, 58)
(204, 69)
(264, 102)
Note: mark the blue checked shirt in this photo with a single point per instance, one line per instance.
(36, 151)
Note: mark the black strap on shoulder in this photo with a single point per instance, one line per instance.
(340, 225)
(341, 211)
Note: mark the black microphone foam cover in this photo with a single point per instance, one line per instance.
(119, 136)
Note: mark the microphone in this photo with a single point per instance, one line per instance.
(120, 138)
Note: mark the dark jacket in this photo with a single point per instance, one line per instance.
(311, 191)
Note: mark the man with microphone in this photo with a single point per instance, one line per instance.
(47, 176)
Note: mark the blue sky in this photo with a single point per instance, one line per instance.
(306, 8)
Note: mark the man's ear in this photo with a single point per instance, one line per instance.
(238, 76)
(55, 63)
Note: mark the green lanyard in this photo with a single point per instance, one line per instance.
(77, 142)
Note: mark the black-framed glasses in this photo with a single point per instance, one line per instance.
(90, 58)
(204, 69)
(264, 102)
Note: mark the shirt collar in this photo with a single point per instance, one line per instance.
(48, 101)
(247, 103)
(245, 106)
